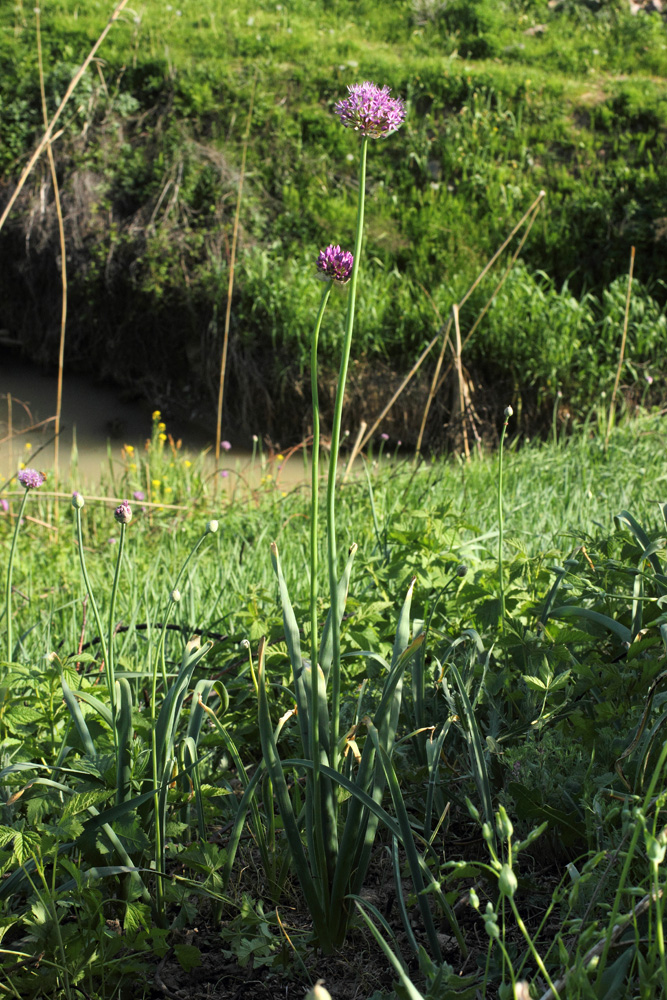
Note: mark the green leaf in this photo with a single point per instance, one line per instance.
(189, 957)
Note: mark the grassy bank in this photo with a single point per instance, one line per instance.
(504, 99)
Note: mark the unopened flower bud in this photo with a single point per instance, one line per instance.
(462, 570)
(175, 595)
(77, 500)
(123, 512)
(507, 881)
(508, 412)
(212, 527)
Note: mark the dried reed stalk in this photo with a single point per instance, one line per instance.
(612, 405)
(232, 263)
(48, 136)
(356, 449)
(461, 383)
(531, 210)
(63, 263)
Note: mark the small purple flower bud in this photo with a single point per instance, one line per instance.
(31, 478)
(384, 437)
(4, 506)
(123, 512)
(370, 110)
(138, 495)
(77, 500)
(224, 473)
(225, 445)
(335, 264)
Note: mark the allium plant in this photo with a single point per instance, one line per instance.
(331, 866)
(30, 479)
(370, 110)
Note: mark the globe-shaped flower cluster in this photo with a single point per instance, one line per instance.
(335, 264)
(370, 110)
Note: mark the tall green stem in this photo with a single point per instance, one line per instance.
(501, 583)
(10, 571)
(315, 481)
(314, 565)
(333, 463)
(112, 615)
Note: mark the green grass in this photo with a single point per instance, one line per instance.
(150, 164)
(555, 706)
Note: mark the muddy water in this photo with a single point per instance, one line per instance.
(94, 417)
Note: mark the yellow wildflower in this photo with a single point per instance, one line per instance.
(161, 426)
(280, 458)
(162, 437)
(155, 483)
(156, 415)
(129, 448)
(28, 446)
(187, 464)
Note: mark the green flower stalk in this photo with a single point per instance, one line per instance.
(31, 479)
(369, 110)
(501, 584)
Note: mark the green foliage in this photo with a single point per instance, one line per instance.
(151, 154)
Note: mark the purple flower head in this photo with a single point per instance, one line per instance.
(384, 437)
(4, 506)
(370, 110)
(224, 473)
(31, 478)
(335, 263)
(138, 495)
(123, 512)
(225, 445)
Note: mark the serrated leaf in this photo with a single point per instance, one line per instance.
(534, 683)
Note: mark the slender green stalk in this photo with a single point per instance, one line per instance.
(501, 582)
(10, 571)
(112, 616)
(333, 462)
(637, 828)
(314, 731)
(533, 950)
(91, 595)
(315, 480)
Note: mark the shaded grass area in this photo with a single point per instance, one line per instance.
(149, 168)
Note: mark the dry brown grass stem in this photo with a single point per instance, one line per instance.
(63, 261)
(48, 136)
(612, 405)
(436, 373)
(530, 211)
(232, 263)
(408, 378)
(461, 380)
(495, 291)
(356, 449)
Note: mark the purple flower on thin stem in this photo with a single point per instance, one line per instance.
(31, 478)
(335, 264)
(384, 437)
(225, 445)
(138, 495)
(224, 473)
(123, 512)
(4, 506)
(370, 110)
